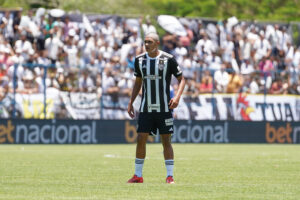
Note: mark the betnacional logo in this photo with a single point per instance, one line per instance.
(282, 134)
(6, 132)
(47, 133)
(187, 133)
(243, 107)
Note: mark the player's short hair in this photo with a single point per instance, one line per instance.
(152, 35)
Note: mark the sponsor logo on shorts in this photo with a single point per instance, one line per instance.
(169, 122)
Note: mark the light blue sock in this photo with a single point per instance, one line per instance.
(139, 163)
(170, 167)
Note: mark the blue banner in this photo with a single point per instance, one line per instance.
(34, 131)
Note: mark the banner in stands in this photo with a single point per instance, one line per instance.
(81, 105)
(32, 106)
(34, 131)
(241, 107)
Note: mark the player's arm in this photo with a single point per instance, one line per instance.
(175, 100)
(135, 91)
(176, 71)
(136, 88)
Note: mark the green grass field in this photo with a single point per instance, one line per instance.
(202, 171)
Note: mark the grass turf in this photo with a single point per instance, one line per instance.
(202, 171)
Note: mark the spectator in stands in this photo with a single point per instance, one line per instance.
(107, 31)
(70, 50)
(245, 48)
(262, 47)
(206, 85)
(214, 60)
(61, 80)
(169, 43)
(16, 23)
(54, 45)
(6, 28)
(227, 49)
(187, 69)
(126, 83)
(190, 88)
(294, 89)
(205, 46)
(110, 86)
(86, 83)
(67, 27)
(255, 85)
(135, 41)
(99, 85)
(281, 65)
(71, 79)
(50, 81)
(24, 45)
(235, 83)
(43, 59)
(30, 86)
(41, 37)
(87, 50)
(246, 67)
(3, 85)
(106, 51)
(148, 27)
(266, 67)
(2, 70)
(118, 34)
(221, 79)
(5, 57)
(289, 52)
(180, 52)
(186, 40)
(277, 86)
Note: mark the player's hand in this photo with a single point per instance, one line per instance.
(173, 103)
(130, 110)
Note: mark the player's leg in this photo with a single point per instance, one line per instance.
(139, 159)
(167, 146)
(165, 126)
(141, 145)
(140, 153)
(169, 156)
(144, 127)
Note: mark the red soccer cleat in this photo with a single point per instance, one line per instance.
(170, 180)
(135, 179)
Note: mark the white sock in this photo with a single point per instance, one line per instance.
(139, 163)
(170, 167)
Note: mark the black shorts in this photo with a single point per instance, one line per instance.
(151, 122)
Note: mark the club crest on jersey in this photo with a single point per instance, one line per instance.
(161, 64)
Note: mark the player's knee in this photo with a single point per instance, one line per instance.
(142, 138)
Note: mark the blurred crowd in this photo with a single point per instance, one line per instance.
(98, 55)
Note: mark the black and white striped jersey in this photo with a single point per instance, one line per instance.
(156, 74)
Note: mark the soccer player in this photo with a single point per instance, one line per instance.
(153, 71)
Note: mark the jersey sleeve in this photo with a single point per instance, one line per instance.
(137, 71)
(174, 67)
